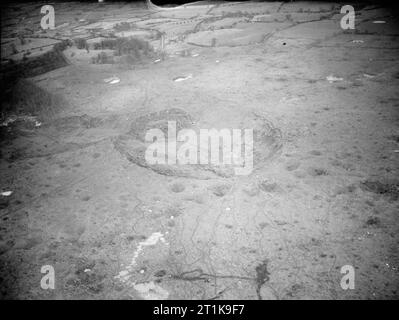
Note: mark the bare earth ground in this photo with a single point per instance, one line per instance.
(326, 197)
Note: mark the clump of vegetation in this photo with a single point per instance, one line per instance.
(124, 26)
(130, 50)
(81, 43)
(106, 44)
(133, 50)
(61, 46)
(133, 46)
(365, 31)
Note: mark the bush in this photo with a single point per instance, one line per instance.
(81, 43)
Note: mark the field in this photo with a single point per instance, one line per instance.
(324, 106)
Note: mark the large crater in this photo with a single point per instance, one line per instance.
(132, 145)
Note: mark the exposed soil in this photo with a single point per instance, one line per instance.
(323, 103)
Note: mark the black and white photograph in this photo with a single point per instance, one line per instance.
(206, 150)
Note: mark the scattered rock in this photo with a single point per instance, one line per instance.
(315, 172)
(91, 281)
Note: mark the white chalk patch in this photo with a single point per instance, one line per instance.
(369, 76)
(112, 80)
(152, 240)
(151, 291)
(115, 81)
(123, 273)
(156, 61)
(379, 21)
(178, 79)
(6, 193)
(332, 78)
